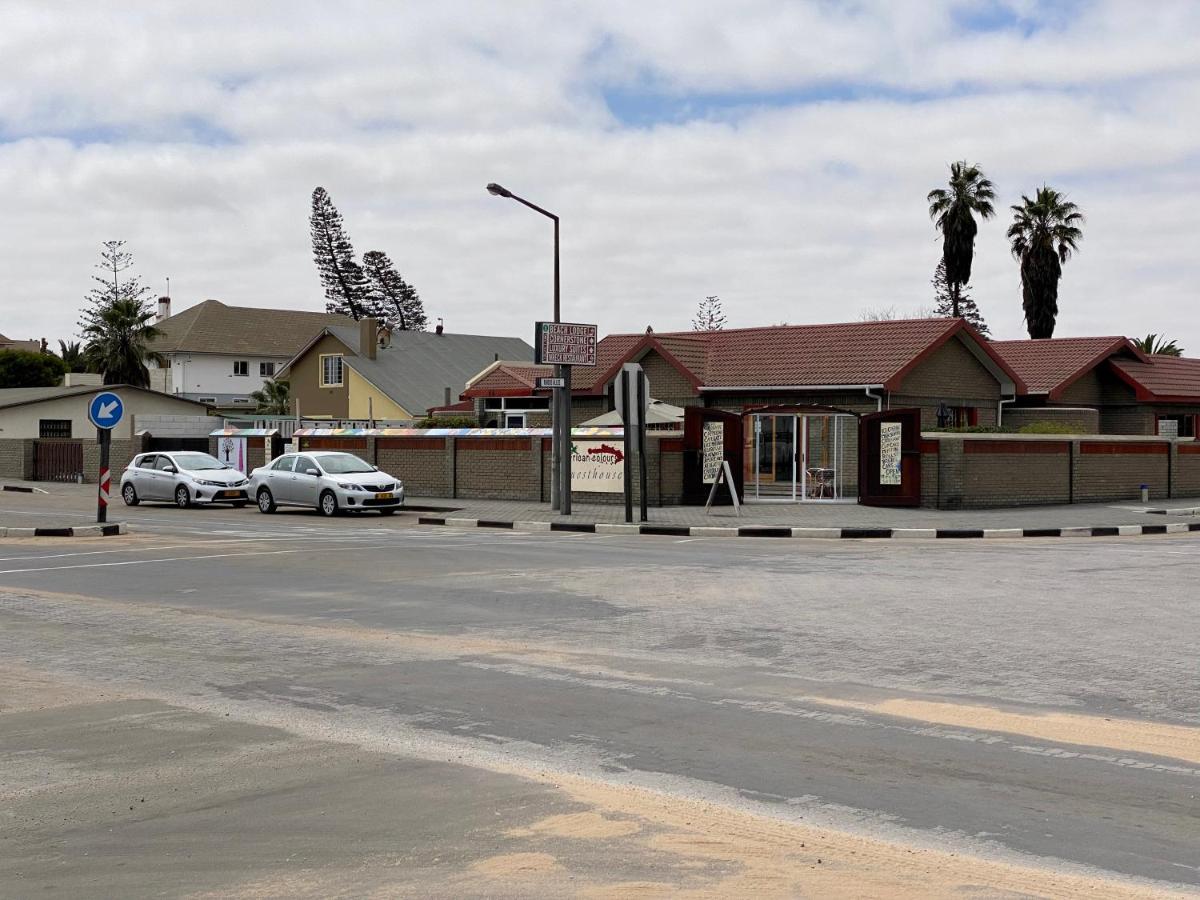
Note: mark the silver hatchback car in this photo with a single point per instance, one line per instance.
(327, 481)
(183, 477)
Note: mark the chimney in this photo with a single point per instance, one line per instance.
(368, 337)
(447, 403)
(164, 308)
(438, 330)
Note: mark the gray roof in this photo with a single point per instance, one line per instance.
(22, 396)
(419, 365)
(213, 327)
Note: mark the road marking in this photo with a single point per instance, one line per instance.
(146, 562)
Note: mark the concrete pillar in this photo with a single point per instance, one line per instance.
(951, 473)
(452, 466)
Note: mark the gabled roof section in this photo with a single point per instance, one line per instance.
(417, 366)
(1165, 379)
(1052, 365)
(506, 379)
(23, 396)
(848, 354)
(213, 327)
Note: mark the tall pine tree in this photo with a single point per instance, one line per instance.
(392, 299)
(709, 316)
(943, 296)
(342, 277)
(112, 285)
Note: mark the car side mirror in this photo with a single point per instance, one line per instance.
(312, 472)
(171, 470)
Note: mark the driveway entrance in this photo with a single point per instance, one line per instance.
(795, 455)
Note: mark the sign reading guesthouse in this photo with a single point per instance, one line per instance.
(598, 466)
(564, 344)
(890, 452)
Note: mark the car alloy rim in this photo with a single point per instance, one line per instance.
(328, 503)
(264, 500)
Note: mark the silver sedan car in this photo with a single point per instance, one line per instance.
(184, 478)
(330, 482)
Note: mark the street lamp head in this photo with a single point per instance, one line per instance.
(499, 191)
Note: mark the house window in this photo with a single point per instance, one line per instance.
(965, 416)
(1177, 426)
(241, 367)
(241, 399)
(266, 370)
(206, 399)
(54, 428)
(331, 371)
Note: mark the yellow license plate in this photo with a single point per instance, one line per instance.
(383, 496)
(231, 493)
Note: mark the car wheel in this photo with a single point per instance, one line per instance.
(327, 505)
(183, 498)
(266, 503)
(240, 504)
(387, 512)
(129, 495)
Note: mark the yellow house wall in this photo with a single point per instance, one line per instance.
(380, 406)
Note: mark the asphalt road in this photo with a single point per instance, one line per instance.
(230, 703)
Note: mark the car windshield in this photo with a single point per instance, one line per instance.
(344, 464)
(198, 462)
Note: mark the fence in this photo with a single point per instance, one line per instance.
(57, 460)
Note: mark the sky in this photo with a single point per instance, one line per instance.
(776, 154)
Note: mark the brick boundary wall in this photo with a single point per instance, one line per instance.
(16, 458)
(965, 471)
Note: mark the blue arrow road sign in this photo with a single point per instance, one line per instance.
(106, 410)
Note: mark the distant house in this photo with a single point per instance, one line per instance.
(31, 346)
(344, 372)
(218, 354)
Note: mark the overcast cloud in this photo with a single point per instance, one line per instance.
(774, 153)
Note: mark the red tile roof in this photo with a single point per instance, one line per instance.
(507, 379)
(1163, 378)
(1050, 366)
(849, 353)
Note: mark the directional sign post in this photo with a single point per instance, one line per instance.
(105, 411)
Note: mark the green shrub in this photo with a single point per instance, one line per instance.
(21, 368)
(1048, 428)
(973, 429)
(447, 422)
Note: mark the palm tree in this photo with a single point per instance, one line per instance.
(71, 353)
(118, 342)
(1158, 345)
(1044, 233)
(274, 399)
(953, 211)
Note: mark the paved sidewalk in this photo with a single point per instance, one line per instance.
(824, 515)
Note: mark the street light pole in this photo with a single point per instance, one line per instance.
(560, 404)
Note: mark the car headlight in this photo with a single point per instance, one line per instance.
(351, 487)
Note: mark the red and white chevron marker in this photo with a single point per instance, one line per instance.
(105, 484)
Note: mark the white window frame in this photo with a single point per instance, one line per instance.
(341, 370)
(241, 368)
(266, 370)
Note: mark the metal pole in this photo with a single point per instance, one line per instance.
(626, 405)
(103, 437)
(641, 405)
(565, 487)
(555, 421)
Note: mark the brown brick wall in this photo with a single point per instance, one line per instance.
(1115, 471)
(119, 454)
(496, 469)
(421, 463)
(1015, 473)
(1187, 471)
(16, 458)
(1126, 420)
(667, 383)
